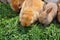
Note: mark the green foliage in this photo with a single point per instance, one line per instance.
(11, 29)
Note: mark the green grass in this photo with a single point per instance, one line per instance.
(11, 29)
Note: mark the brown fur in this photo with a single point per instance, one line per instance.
(30, 11)
(27, 16)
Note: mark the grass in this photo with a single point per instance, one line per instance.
(11, 29)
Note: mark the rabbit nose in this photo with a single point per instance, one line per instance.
(25, 24)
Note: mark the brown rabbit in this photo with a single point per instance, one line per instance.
(48, 14)
(16, 4)
(30, 11)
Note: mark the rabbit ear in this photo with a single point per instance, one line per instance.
(49, 10)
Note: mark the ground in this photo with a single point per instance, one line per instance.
(11, 29)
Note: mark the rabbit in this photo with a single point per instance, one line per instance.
(16, 4)
(48, 14)
(30, 11)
